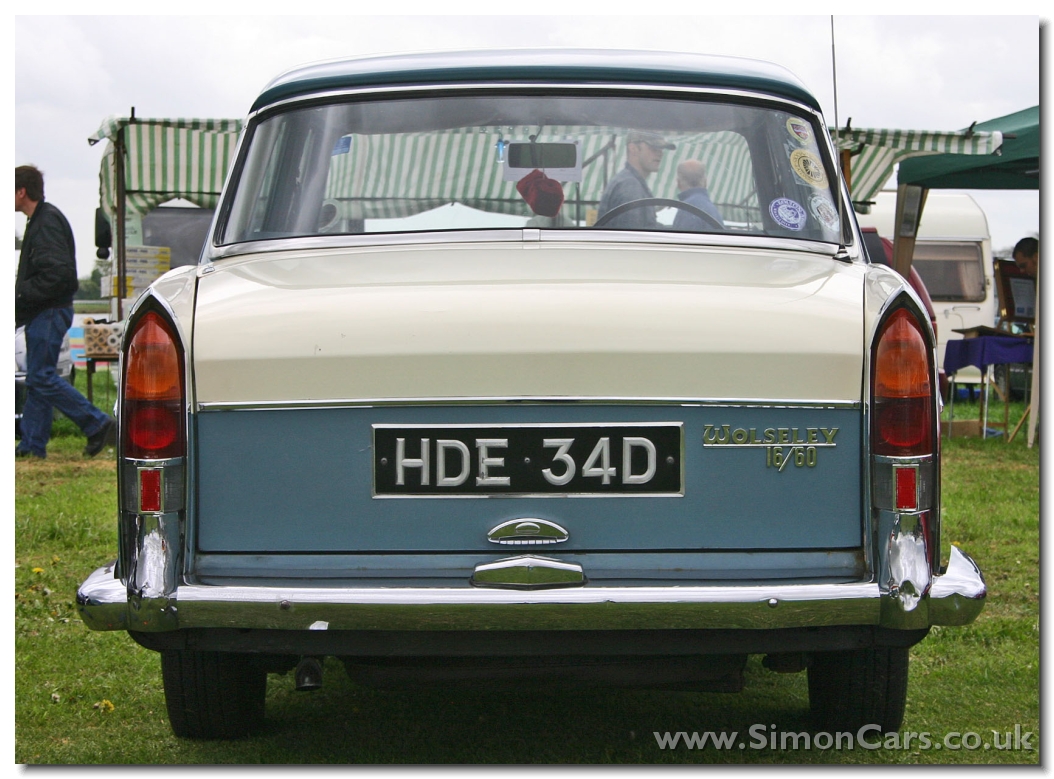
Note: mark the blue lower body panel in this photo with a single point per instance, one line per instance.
(302, 481)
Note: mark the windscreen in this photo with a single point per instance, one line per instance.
(575, 162)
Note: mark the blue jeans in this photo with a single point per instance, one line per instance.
(45, 389)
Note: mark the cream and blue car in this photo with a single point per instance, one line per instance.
(425, 407)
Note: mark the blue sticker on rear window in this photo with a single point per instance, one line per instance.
(342, 146)
(787, 213)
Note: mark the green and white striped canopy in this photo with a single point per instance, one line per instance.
(167, 159)
(880, 150)
(189, 159)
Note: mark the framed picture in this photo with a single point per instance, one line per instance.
(1017, 294)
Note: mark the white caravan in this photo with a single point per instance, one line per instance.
(953, 254)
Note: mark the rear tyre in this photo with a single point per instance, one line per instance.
(212, 695)
(853, 688)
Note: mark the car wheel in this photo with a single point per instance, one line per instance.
(212, 694)
(853, 688)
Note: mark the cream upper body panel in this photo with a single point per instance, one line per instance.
(529, 320)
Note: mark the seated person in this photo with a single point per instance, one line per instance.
(691, 185)
(643, 157)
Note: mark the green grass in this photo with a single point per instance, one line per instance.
(89, 697)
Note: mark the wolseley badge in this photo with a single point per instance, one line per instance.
(783, 445)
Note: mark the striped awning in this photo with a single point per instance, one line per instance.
(167, 159)
(876, 152)
(189, 159)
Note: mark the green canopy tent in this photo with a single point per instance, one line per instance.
(1014, 165)
(148, 162)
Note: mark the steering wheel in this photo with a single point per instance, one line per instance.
(663, 202)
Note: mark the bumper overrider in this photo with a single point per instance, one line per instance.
(954, 598)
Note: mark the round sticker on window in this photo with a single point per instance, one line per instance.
(809, 168)
(799, 130)
(824, 211)
(787, 213)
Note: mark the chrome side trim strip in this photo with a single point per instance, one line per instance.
(252, 405)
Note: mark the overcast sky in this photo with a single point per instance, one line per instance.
(908, 72)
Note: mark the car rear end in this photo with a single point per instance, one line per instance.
(497, 451)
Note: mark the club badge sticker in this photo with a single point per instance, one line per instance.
(787, 213)
(824, 212)
(809, 168)
(799, 130)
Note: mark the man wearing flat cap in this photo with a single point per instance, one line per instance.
(643, 157)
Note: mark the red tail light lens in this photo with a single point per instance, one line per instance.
(902, 389)
(154, 400)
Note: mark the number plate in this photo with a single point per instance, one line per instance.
(437, 461)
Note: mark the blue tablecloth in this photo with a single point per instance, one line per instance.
(984, 350)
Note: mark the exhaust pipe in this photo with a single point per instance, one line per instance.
(308, 674)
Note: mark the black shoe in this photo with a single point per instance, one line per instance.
(105, 437)
(27, 453)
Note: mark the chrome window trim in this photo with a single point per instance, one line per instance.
(290, 405)
(514, 235)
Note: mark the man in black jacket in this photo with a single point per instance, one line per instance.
(44, 287)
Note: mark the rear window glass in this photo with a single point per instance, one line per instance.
(559, 161)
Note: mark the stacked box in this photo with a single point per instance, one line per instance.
(102, 340)
(110, 283)
(142, 266)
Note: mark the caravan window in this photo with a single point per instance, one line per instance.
(953, 270)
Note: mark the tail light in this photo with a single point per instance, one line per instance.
(152, 466)
(904, 439)
(154, 398)
(902, 389)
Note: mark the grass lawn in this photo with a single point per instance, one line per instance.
(89, 697)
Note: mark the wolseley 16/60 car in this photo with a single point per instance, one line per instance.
(558, 366)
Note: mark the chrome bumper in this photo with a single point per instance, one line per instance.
(955, 598)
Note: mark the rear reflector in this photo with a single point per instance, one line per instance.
(149, 490)
(906, 483)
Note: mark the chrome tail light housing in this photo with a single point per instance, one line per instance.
(905, 452)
